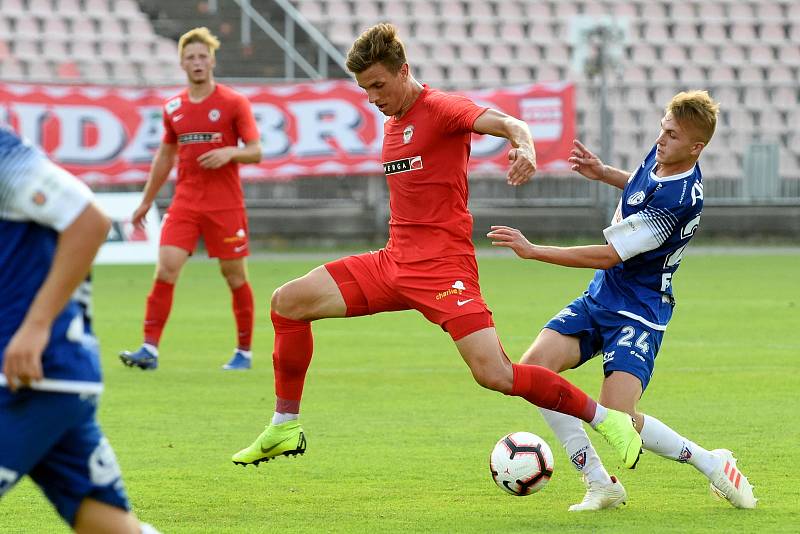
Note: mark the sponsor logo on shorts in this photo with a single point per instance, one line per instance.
(637, 355)
(608, 356)
(460, 303)
(685, 455)
(579, 459)
(566, 312)
(199, 137)
(103, 466)
(457, 288)
(240, 248)
(7, 479)
(403, 165)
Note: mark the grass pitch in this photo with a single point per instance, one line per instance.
(399, 435)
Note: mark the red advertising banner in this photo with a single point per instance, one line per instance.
(108, 135)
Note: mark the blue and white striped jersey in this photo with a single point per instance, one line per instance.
(37, 201)
(655, 220)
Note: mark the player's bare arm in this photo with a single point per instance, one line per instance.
(589, 165)
(523, 154)
(214, 159)
(159, 172)
(588, 256)
(77, 246)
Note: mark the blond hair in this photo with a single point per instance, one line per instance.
(379, 44)
(198, 35)
(697, 111)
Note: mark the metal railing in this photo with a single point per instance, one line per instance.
(326, 52)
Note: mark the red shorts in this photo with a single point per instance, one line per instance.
(445, 290)
(224, 232)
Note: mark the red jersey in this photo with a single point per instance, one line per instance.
(425, 155)
(219, 120)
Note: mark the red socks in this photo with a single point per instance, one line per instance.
(546, 389)
(243, 311)
(291, 357)
(159, 304)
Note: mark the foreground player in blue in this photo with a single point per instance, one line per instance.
(50, 232)
(625, 311)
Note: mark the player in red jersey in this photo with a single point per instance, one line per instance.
(429, 262)
(202, 126)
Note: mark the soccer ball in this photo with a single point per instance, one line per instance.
(521, 463)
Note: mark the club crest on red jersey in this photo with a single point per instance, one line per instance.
(214, 115)
(408, 133)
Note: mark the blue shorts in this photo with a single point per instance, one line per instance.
(54, 438)
(626, 344)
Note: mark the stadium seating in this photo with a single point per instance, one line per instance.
(98, 41)
(747, 53)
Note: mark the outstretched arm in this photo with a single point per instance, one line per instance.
(523, 156)
(590, 166)
(588, 256)
(75, 251)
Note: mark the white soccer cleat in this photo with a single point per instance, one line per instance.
(730, 483)
(601, 496)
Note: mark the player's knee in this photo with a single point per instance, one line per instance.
(234, 280)
(494, 378)
(167, 273)
(536, 356)
(286, 302)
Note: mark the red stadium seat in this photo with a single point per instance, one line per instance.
(502, 54)
(422, 10)
(702, 54)
(744, 32)
(11, 69)
(751, 74)
(489, 76)
(773, 33)
(517, 74)
(13, 8)
(740, 11)
(471, 53)
(732, 54)
(713, 32)
(460, 74)
(453, 11)
(26, 48)
(39, 70)
(67, 70)
(710, 10)
(785, 98)
(54, 47)
(38, 7)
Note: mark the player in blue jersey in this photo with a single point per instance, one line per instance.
(50, 231)
(625, 311)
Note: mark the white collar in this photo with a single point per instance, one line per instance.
(680, 176)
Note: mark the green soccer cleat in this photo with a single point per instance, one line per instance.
(285, 439)
(619, 432)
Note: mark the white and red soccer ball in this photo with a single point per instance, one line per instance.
(521, 463)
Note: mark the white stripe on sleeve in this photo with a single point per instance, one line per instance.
(631, 236)
(51, 196)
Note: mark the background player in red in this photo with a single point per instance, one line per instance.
(429, 262)
(202, 126)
